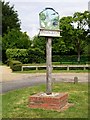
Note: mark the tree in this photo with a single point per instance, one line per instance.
(15, 39)
(80, 21)
(88, 20)
(39, 42)
(74, 32)
(58, 46)
(10, 18)
(66, 33)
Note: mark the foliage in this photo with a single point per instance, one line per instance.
(73, 41)
(74, 32)
(88, 21)
(78, 95)
(79, 38)
(10, 18)
(15, 65)
(17, 54)
(38, 50)
(31, 55)
(16, 39)
(35, 55)
(39, 42)
(70, 58)
(59, 47)
(13, 40)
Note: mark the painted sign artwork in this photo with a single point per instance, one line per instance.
(49, 19)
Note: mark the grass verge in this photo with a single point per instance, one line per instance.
(54, 71)
(15, 103)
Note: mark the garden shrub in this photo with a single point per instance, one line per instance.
(17, 54)
(31, 55)
(71, 59)
(15, 65)
(35, 55)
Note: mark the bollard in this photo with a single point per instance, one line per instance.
(75, 80)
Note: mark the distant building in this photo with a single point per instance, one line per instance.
(89, 6)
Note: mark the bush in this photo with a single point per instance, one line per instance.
(17, 54)
(35, 55)
(8, 62)
(70, 59)
(31, 55)
(15, 65)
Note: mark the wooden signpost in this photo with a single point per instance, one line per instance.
(49, 27)
(49, 66)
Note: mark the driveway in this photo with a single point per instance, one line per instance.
(12, 81)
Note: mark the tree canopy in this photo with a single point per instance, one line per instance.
(74, 31)
(10, 18)
(16, 39)
(74, 34)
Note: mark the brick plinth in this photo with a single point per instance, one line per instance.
(52, 102)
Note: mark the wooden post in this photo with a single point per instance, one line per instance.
(36, 68)
(67, 68)
(22, 68)
(49, 66)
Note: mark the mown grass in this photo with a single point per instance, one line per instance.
(15, 103)
(58, 63)
(54, 71)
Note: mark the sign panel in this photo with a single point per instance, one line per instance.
(49, 19)
(49, 23)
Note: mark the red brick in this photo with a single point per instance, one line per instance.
(48, 102)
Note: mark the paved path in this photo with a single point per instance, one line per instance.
(12, 81)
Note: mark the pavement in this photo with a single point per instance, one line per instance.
(11, 81)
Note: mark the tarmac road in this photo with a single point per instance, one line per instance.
(26, 80)
(16, 84)
(11, 81)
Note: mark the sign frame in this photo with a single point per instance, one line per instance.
(48, 32)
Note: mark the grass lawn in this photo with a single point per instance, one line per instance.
(54, 71)
(15, 103)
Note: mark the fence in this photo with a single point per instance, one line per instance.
(59, 66)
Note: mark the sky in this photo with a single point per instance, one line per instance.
(28, 11)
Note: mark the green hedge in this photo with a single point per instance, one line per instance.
(15, 65)
(35, 55)
(70, 59)
(17, 54)
(31, 55)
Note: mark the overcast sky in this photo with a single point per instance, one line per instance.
(28, 11)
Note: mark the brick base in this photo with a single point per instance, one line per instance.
(56, 102)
